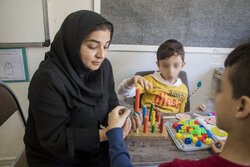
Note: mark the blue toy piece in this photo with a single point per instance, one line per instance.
(178, 128)
(201, 126)
(144, 113)
(188, 140)
(198, 143)
(209, 114)
(209, 134)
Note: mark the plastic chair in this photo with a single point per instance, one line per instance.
(182, 76)
(9, 105)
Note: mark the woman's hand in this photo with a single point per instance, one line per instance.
(136, 120)
(126, 127)
(201, 107)
(119, 119)
(215, 145)
(141, 80)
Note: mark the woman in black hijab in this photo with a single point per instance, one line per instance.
(70, 96)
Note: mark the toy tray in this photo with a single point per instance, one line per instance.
(180, 143)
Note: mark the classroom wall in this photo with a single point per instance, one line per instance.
(125, 64)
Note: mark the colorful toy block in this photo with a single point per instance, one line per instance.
(188, 140)
(178, 136)
(194, 140)
(208, 141)
(175, 125)
(198, 143)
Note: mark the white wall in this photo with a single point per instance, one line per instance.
(125, 64)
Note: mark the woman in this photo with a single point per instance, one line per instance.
(70, 96)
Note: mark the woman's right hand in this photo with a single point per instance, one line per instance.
(141, 80)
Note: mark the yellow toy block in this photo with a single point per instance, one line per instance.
(184, 129)
(184, 137)
(182, 120)
(190, 130)
(208, 141)
(178, 136)
(194, 140)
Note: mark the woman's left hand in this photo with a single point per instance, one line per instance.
(136, 120)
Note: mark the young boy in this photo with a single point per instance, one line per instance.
(164, 88)
(232, 105)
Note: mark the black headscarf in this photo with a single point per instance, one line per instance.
(85, 85)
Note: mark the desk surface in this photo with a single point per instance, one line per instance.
(151, 152)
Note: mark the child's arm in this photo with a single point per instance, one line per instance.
(182, 107)
(128, 86)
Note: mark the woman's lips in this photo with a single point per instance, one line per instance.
(96, 62)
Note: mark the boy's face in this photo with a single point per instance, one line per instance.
(225, 105)
(170, 67)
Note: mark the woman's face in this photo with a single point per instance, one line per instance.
(94, 49)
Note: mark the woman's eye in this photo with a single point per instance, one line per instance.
(106, 47)
(92, 47)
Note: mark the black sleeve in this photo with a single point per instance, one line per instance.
(51, 117)
(113, 100)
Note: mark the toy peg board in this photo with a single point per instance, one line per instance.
(149, 134)
(180, 143)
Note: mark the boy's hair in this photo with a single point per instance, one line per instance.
(239, 72)
(170, 48)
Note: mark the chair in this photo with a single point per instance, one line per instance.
(182, 76)
(9, 105)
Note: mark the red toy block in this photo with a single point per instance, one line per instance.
(201, 139)
(204, 135)
(196, 122)
(188, 127)
(175, 125)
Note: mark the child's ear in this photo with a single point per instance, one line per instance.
(183, 64)
(158, 65)
(243, 108)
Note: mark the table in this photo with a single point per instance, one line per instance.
(152, 152)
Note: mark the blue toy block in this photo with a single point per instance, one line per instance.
(209, 114)
(181, 125)
(201, 126)
(178, 128)
(209, 134)
(198, 143)
(188, 140)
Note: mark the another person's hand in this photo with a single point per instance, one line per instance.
(202, 107)
(215, 145)
(141, 80)
(136, 120)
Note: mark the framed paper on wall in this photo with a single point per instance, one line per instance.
(13, 65)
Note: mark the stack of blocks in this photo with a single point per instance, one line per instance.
(153, 117)
(197, 134)
(153, 122)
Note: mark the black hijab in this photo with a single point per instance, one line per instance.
(81, 82)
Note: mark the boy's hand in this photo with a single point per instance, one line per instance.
(220, 144)
(141, 80)
(202, 107)
(117, 118)
(136, 120)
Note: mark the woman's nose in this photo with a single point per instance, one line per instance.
(101, 53)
